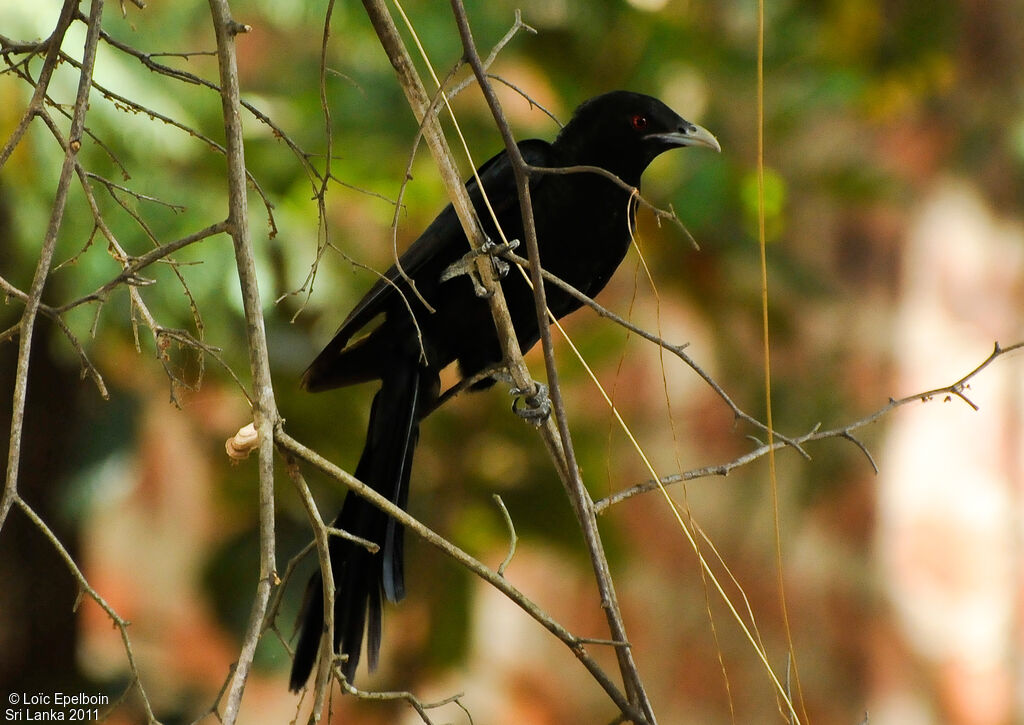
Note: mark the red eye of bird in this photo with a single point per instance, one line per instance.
(638, 122)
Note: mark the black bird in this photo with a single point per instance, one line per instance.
(583, 223)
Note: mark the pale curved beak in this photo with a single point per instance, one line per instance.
(689, 134)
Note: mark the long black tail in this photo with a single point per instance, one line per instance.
(361, 579)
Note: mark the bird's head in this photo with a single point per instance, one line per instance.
(623, 132)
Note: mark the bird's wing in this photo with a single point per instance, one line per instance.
(443, 242)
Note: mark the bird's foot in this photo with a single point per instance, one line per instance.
(533, 405)
(501, 267)
(467, 264)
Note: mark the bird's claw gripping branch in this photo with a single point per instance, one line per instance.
(467, 264)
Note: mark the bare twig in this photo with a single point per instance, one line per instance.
(294, 447)
(265, 414)
(321, 537)
(134, 265)
(679, 350)
(147, 60)
(582, 503)
(42, 84)
(418, 705)
(46, 254)
(86, 589)
(121, 256)
(88, 369)
(213, 709)
(392, 43)
(956, 389)
(659, 213)
(127, 104)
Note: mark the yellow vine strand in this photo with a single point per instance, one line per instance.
(686, 496)
(629, 434)
(766, 341)
(678, 516)
(705, 567)
(451, 113)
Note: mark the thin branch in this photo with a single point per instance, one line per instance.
(147, 60)
(213, 709)
(465, 384)
(409, 79)
(679, 350)
(134, 265)
(846, 432)
(49, 245)
(119, 255)
(88, 369)
(42, 84)
(579, 496)
(294, 447)
(124, 103)
(265, 413)
(529, 99)
(418, 705)
(431, 113)
(321, 538)
(659, 213)
(111, 187)
(86, 589)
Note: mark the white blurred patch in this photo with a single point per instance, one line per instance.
(949, 510)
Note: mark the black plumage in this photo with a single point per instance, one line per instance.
(583, 223)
